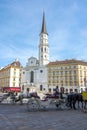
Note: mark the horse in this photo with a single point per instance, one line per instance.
(79, 99)
(74, 98)
(21, 96)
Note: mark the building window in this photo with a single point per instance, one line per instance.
(65, 67)
(41, 87)
(80, 72)
(85, 73)
(14, 69)
(32, 77)
(70, 72)
(41, 49)
(61, 72)
(74, 71)
(70, 67)
(84, 67)
(23, 72)
(45, 49)
(61, 68)
(65, 72)
(74, 67)
(70, 77)
(53, 72)
(75, 78)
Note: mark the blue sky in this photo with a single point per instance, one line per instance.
(20, 26)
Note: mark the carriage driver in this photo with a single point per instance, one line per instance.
(56, 91)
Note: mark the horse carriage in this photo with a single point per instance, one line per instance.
(48, 101)
(8, 98)
(36, 101)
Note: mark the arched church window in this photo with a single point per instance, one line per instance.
(32, 77)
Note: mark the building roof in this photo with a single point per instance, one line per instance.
(32, 57)
(71, 61)
(16, 63)
(43, 30)
(13, 64)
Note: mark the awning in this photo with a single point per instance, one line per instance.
(16, 89)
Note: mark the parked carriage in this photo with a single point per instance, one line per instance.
(3, 97)
(8, 98)
(48, 101)
(36, 101)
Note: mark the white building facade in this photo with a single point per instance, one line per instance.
(34, 74)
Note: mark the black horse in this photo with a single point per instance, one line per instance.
(79, 99)
(74, 98)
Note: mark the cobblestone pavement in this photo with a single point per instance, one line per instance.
(16, 117)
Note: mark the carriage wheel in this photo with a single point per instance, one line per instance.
(62, 106)
(33, 105)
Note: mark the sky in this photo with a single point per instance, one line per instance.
(21, 22)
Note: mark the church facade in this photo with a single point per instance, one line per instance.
(42, 75)
(34, 74)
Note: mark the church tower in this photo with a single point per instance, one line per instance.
(43, 46)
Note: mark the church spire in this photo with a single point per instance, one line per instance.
(43, 30)
(43, 46)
